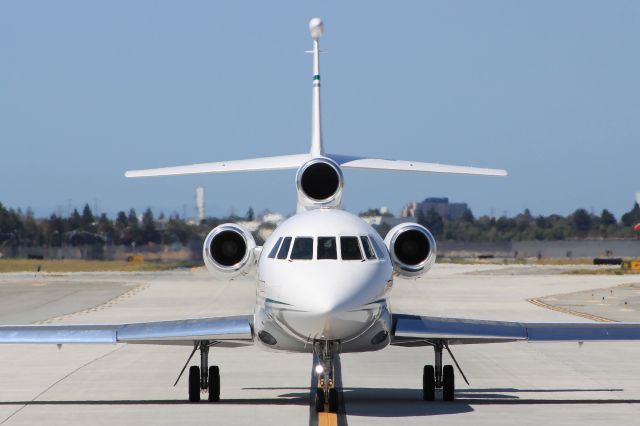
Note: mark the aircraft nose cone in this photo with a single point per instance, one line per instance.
(334, 301)
(330, 304)
(333, 316)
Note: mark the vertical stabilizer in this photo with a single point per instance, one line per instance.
(316, 29)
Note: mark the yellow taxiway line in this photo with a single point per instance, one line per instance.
(564, 310)
(327, 419)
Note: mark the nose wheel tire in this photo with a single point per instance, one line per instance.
(428, 383)
(319, 400)
(214, 383)
(448, 383)
(194, 383)
(333, 400)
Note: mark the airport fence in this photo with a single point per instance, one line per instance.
(577, 249)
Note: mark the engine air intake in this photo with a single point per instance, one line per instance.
(228, 248)
(412, 249)
(319, 183)
(228, 251)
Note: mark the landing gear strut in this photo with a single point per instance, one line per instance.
(204, 378)
(439, 377)
(326, 393)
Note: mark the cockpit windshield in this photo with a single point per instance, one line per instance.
(360, 247)
(366, 245)
(302, 249)
(379, 251)
(327, 248)
(274, 250)
(350, 248)
(284, 248)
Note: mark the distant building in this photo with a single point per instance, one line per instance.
(383, 218)
(441, 205)
(390, 221)
(251, 225)
(270, 217)
(638, 198)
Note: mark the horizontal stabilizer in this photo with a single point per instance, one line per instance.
(352, 162)
(254, 164)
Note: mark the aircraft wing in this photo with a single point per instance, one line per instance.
(414, 330)
(254, 164)
(226, 331)
(352, 162)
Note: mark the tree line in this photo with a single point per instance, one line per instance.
(18, 228)
(526, 227)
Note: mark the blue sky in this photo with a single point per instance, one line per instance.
(548, 90)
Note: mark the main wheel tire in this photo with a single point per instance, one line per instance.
(428, 383)
(194, 383)
(214, 383)
(319, 400)
(333, 400)
(448, 383)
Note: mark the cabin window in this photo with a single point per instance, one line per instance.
(274, 250)
(284, 248)
(376, 247)
(327, 248)
(366, 245)
(350, 248)
(302, 248)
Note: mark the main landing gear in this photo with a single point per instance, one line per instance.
(204, 378)
(439, 377)
(326, 393)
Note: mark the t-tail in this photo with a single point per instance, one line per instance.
(316, 28)
(315, 166)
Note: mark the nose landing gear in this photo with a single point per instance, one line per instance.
(326, 394)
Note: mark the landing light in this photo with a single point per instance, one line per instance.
(319, 369)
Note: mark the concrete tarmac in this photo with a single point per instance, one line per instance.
(560, 383)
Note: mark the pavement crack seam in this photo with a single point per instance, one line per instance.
(60, 380)
(109, 303)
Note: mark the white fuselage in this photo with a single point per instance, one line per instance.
(331, 285)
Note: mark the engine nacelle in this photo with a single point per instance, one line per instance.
(412, 248)
(319, 183)
(228, 251)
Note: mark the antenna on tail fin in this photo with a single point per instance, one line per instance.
(316, 28)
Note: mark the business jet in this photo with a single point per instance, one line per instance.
(324, 278)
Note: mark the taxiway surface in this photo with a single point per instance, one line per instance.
(560, 383)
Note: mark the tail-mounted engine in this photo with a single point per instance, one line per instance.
(228, 251)
(412, 248)
(319, 183)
